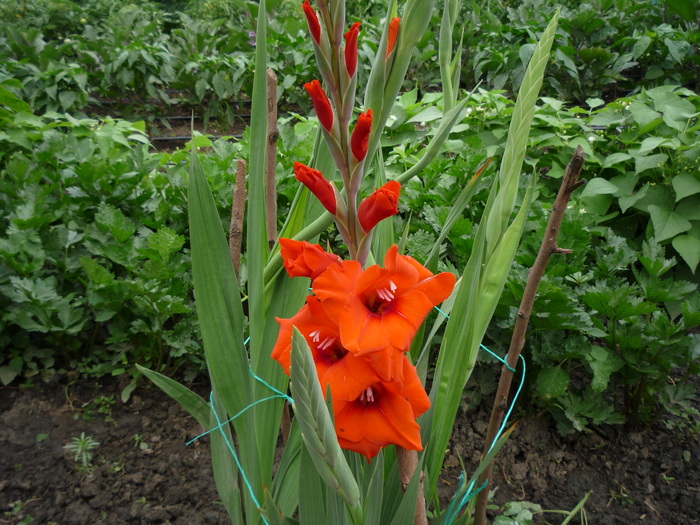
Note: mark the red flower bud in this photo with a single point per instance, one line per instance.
(391, 37)
(360, 135)
(302, 259)
(322, 105)
(317, 184)
(312, 19)
(379, 205)
(351, 48)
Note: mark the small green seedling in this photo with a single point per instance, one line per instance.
(82, 446)
(139, 442)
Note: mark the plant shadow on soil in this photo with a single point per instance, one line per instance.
(144, 473)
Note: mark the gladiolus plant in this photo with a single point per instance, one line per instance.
(345, 341)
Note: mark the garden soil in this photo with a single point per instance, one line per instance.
(143, 472)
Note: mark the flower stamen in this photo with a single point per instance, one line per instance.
(326, 344)
(385, 294)
(367, 396)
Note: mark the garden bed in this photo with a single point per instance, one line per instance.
(143, 471)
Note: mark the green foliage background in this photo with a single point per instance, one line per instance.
(94, 244)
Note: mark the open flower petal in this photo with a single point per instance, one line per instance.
(386, 306)
(369, 423)
(334, 285)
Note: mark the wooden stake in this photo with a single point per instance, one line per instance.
(271, 160)
(549, 246)
(235, 237)
(408, 463)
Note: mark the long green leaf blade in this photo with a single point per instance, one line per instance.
(197, 407)
(256, 238)
(220, 315)
(217, 296)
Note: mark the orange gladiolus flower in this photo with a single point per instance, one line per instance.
(302, 259)
(322, 105)
(383, 414)
(379, 205)
(360, 135)
(351, 49)
(385, 306)
(393, 34)
(312, 19)
(347, 374)
(317, 184)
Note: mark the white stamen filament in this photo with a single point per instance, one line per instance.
(327, 342)
(387, 294)
(315, 336)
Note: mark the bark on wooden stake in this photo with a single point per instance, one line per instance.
(407, 461)
(235, 237)
(271, 160)
(549, 246)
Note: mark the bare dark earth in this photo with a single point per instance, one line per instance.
(648, 476)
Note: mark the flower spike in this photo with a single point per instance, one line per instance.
(322, 105)
(312, 19)
(351, 49)
(317, 184)
(360, 135)
(379, 205)
(391, 37)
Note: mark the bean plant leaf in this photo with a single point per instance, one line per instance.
(614, 159)
(8, 99)
(599, 186)
(552, 383)
(685, 185)
(667, 224)
(688, 247)
(7, 375)
(649, 162)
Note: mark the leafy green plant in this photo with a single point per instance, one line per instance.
(524, 512)
(81, 447)
(649, 178)
(98, 405)
(17, 514)
(602, 49)
(90, 262)
(135, 58)
(608, 340)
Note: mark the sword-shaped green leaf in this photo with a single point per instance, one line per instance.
(218, 304)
